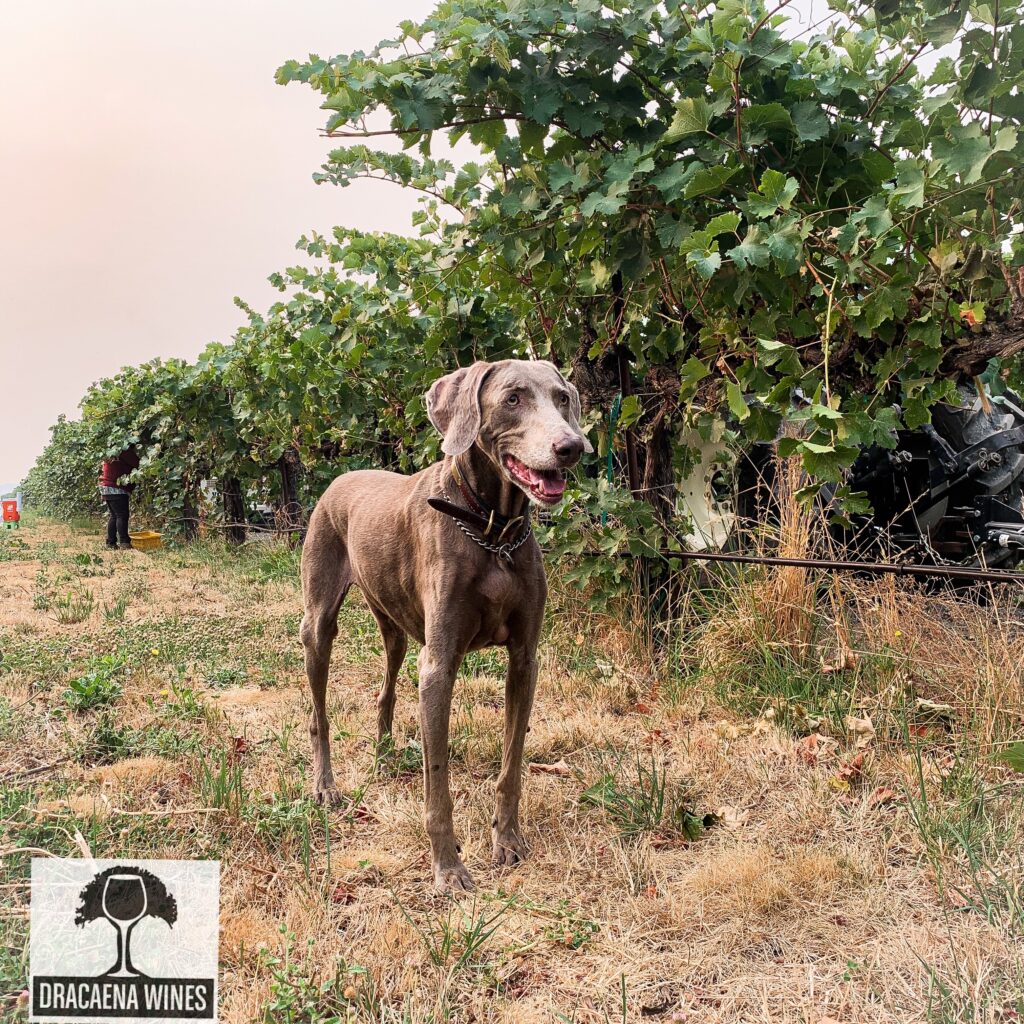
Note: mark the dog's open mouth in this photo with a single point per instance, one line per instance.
(546, 485)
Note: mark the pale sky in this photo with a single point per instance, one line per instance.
(150, 170)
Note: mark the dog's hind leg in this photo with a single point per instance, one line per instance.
(326, 577)
(396, 643)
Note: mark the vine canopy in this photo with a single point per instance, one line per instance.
(753, 207)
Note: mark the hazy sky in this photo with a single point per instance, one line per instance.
(150, 170)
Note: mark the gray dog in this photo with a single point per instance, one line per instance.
(447, 556)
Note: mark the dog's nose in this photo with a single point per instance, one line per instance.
(568, 447)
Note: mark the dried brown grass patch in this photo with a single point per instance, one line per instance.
(134, 774)
(949, 649)
(244, 931)
(756, 921)
(759, 882)
(85, 805)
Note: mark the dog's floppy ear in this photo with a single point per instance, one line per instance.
(453, 405)
(575, 411)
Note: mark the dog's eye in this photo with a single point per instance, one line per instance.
(512, 399)
(563, 398)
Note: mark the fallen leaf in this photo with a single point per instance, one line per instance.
(660, 1007)
(846, 659)
(558, 768)
(933, 709)
(863, 729)
(731, 817)
(882, 795)
(808, 748)
(343, 893)
(727, 730)
(848, 775)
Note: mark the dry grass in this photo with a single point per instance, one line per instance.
(828, 888)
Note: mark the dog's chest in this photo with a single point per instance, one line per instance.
(496, 598)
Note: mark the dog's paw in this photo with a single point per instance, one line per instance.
(509, 850)
(329, 796)
(453, 878)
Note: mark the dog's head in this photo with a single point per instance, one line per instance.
(523, 414)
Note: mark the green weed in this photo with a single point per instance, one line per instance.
(391, 762)
(90, 565)
(299, 994)
(221, 678)
(7, 719)
(13, 548)
(568, 927)
(220, 781)
(183, 704)
(114, 611)
(490, 661)
(454, 941)
(72, 608)
(100, 685)
(971, 841)
(959, 1000)
(646, 802)
(107, 742)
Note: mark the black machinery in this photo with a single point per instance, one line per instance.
(950, 491)
(947, 500)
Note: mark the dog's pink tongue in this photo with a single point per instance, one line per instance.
(552, 485)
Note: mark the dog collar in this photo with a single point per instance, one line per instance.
(486, 525)
(488, 520)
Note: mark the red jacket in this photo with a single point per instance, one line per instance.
(113, 469)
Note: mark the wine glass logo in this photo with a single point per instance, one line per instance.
(124, 896)
(124, 905)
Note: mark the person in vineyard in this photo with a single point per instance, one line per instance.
(116, 493)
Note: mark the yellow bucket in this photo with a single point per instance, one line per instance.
(145, 540)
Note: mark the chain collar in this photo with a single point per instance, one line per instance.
(503, 550)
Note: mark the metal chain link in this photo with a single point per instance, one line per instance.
(501, 550)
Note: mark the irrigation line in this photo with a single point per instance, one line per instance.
(874, 568)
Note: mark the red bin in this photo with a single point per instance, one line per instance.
(11, 511)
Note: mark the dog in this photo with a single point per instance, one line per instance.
(447, 556)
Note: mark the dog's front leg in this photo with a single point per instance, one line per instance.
(520, 685)
(437, 670)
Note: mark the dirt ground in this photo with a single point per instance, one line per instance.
(734, 833)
